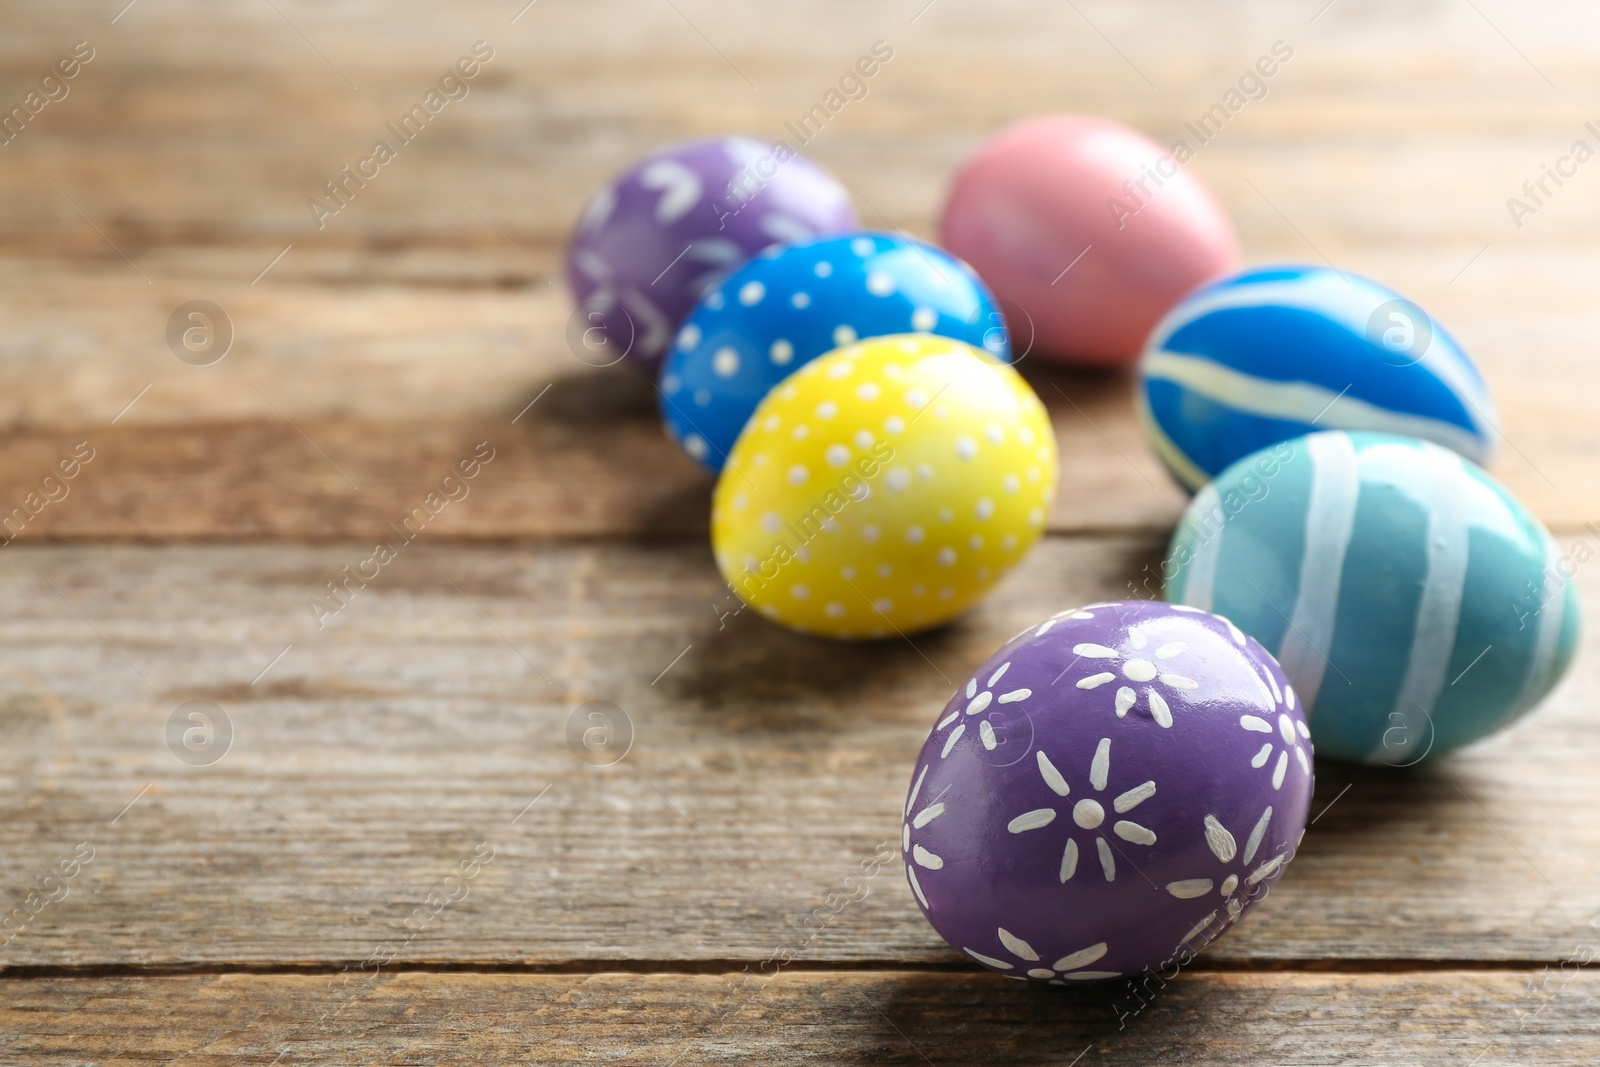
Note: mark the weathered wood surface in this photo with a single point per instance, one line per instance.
(340, 405)
(1447, 1017)
(1390, 142)
(766, 768)
(379, 755)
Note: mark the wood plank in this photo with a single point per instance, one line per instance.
(1489, 1018)
(390, 382)
(1402, 104)
(376, 754)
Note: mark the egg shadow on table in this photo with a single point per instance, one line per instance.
(608, 419)
(758, 676)
(944, 1017)
(595, 397)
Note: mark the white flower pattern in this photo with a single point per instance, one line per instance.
(1225, 847)
(1289, 731)
(1088, 813)
(1138, 669)
(918, 855)
(977, 702)
(1067, 967)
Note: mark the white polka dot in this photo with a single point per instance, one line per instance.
(702, 397)
(751, 293)
(843, 335)
(800, 433)
(879, 283)
(848, 574)
(995, 435)
(771, 422)
(788, 392)
(827, 409)
(985, 508)
(771, 523)
(917, 398)
(837, 455)
(781, 352)
(725, 362)
(823, 269)
(1008, 542)
(759, 459)
(689, 336)
(864, 439)
(924, 319)
(1011, 483)
(966, 447)
(946, 556)
(670, 384)
(869, 533)
(799, 591)
(894, 424)
(946, 515)
(801, 300)
(1033, 474)
(1035, 517)
(1026, 434)
(868, 391)
(803, 554)
(834, 610)
(914, 535)
(695, 445)
(715, 301)
(982, 574)
(945, 592)
(863, 246)
(798, 475)
(975, 542)
(883, 570)
(925, 472)
(898, 478)
(740, 501)
(883, 605)
(840, 368)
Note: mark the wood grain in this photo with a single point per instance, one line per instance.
(1434, 916)
(272, 442)
(766, 768)
(1498, 1018)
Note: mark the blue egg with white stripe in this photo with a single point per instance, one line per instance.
(795, 302)
(1276, 352)
(1414, 604)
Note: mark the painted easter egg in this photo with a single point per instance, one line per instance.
(884, 488)
(1277, 352)
(652, 241)
(1087, 232)
(1414, 604)
(1107, 794)
(793, 303)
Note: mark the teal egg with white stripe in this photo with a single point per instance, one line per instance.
(1276, 352)
(1414, 604)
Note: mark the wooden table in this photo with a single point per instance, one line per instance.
(385, 851)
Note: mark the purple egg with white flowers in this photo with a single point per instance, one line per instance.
(656, 238)
(1107, 794)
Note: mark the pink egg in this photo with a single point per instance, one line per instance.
(1087, 231)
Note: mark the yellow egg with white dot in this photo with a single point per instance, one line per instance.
(884, 488)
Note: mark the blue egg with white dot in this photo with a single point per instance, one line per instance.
(796, 302)
(1272, 353)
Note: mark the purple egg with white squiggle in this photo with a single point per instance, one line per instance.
(654, 240)
(1107, 794)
